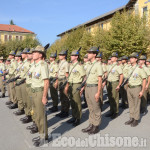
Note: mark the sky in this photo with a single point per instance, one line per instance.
(48, 18)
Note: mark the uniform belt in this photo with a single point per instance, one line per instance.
(130, 86)
(113, 81)
(51, 78)
(91, 85)
(39, 89)
(61, 79)
(74, 83)
(28, 85)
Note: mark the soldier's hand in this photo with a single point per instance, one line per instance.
(81, 91)
(97, 95)
(117, 88)
(44, 100)
(146, 88)
(140, 94)
(103, 84)
(66, 90)
(56, 85)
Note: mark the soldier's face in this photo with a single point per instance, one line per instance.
(1, 61)
(24, 55)
(113, 59)
(11, 56)
(61, 57)
(141, 62)
(98, 59)
(73, 58)
(133, 60)
(91, 56)
(85, 59)
(51, 59)
(147, 63)
(36, 56)
(30, 56)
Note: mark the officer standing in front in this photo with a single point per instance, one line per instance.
(92, 91)
(39, 89)
(136, 87)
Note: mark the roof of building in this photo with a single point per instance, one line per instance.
(101, 17)
(14, 28)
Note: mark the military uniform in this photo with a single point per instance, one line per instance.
(125, 70)
(2, 70)
(63, 69)
(53, 69)
(39, 74)
(134, 88)
(93, 71)
(114, 73)
(76, 74)
(12, 69)
(148, 90)
(144, 97)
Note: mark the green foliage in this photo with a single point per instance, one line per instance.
(12, 22)
(128, 33)
(28, 42)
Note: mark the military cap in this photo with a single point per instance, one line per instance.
(39, 49)
(63, 52)
(134, 54)
(142, 57)
(99, 55)
(53, 55)
(26, 50)
(109, 58)
(18, 54)
(1, 58)
(86, 56)
(12, 53)
(75, 53)
(8, 59)
(124, 58)
(114, 54)
(31, 51)
(120, 59)
(148, 60)
(93, 49)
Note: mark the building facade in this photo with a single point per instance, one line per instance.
(140, 7)
(14, 32)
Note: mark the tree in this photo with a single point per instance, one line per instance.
(12, 22)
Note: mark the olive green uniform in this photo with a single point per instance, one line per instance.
(28, 90)
(90, 91)
(12, 68)
(63, 69)
(125, 69)
(53, 69)
(2, 69)
(18, 89)
(113, 82)
(39, 74)
(76, 73)
(24, 69)
(144, 97)
(134, 88)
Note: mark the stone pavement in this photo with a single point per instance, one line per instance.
(14, 136)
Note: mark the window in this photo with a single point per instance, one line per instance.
(10, 37)
(20, 38)
(17, 37)
(5, 38)
(145, 12)
(102, 25)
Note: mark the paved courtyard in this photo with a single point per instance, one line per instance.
(14, 135)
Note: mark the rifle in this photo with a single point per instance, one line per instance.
(5, 74)
(12, 80)
(108, 74)
(23, 80)
(84, 82)
(126, 81)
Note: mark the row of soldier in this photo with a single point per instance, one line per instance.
(28, 77)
